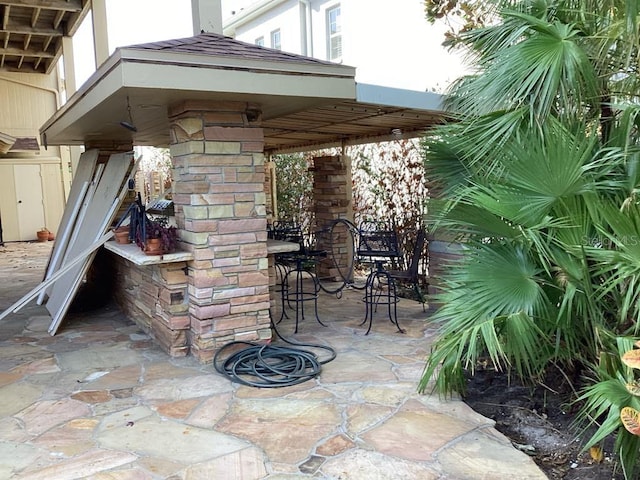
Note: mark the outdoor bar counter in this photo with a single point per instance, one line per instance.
(153, 290)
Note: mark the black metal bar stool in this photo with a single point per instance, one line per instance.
(379, 246)
(296, 289)
(380, 289)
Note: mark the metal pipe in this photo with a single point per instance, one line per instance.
(308, 29)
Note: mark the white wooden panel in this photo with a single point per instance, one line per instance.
(73, 288)
(80, 258)
(91, 227)
(84, 208)
(29, 199)
(8, 206)
(84, 174)
(63, 240)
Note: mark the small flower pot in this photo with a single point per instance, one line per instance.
(43, 235)
(121, 236)
(51, 237)
(153, 246)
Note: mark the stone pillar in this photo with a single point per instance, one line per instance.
(443, 249)
(219, 198)
(270, 191)
(332, 198)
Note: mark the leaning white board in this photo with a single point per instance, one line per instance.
(82, 176)
(70, 264)
(66, 301)
(89, 229)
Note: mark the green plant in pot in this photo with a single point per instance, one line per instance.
(160, 236)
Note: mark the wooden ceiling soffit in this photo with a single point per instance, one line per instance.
(31, 32)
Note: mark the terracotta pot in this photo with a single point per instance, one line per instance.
(51, 236)
(43, 235)
(122, 237)
(153, 246)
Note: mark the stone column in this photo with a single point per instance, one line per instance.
(219, 198)
(332, 198)
(443, 249)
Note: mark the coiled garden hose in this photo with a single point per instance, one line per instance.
(273, 366)
(270, 366)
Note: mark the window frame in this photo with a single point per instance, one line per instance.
(331, 36)
(276, 35)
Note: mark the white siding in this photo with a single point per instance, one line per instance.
(31, 183)
(285, 17)
(390, 43)
(26, 102)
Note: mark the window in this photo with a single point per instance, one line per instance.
(260, 41)
(334, 34)
(275, 40)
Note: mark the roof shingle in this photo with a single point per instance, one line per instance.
(219, 45)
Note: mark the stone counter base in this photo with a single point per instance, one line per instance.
(155, 297)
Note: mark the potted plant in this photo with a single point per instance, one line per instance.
(43, 234)
(160, 236)
(121, 234)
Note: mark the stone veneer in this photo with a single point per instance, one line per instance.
(219, 198)
(332, 198)
(156, 298)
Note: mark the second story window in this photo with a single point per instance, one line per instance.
(260, 41)
(275, 40)
(334, 34)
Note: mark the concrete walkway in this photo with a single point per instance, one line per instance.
(101, 401)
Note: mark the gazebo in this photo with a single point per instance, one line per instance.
(223, 107)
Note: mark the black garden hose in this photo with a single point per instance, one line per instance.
(270, 366)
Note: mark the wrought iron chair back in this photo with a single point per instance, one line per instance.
(377, 243)
(411, 274)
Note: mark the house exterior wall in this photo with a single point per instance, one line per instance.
(285, 17)
(390, 44)
(26, 102)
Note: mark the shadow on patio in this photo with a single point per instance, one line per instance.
(100, 400)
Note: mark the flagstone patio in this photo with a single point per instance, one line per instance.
(100, 400)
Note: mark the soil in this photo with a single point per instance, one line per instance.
(539, 420)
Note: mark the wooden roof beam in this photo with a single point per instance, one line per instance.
(75, 19)
(65, 5)
(5, 17)
(58, 18)
(16, 52)
(29, 30)
(34, 16)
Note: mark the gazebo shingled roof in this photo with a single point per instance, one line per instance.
(306, 103)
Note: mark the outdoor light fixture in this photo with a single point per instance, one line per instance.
(396, 132)
(129, 125)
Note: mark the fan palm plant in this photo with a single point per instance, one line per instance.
(539, 179)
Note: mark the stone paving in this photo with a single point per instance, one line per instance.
(100, 401)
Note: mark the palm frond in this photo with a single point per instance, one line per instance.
(491, 298)
(526, 61)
